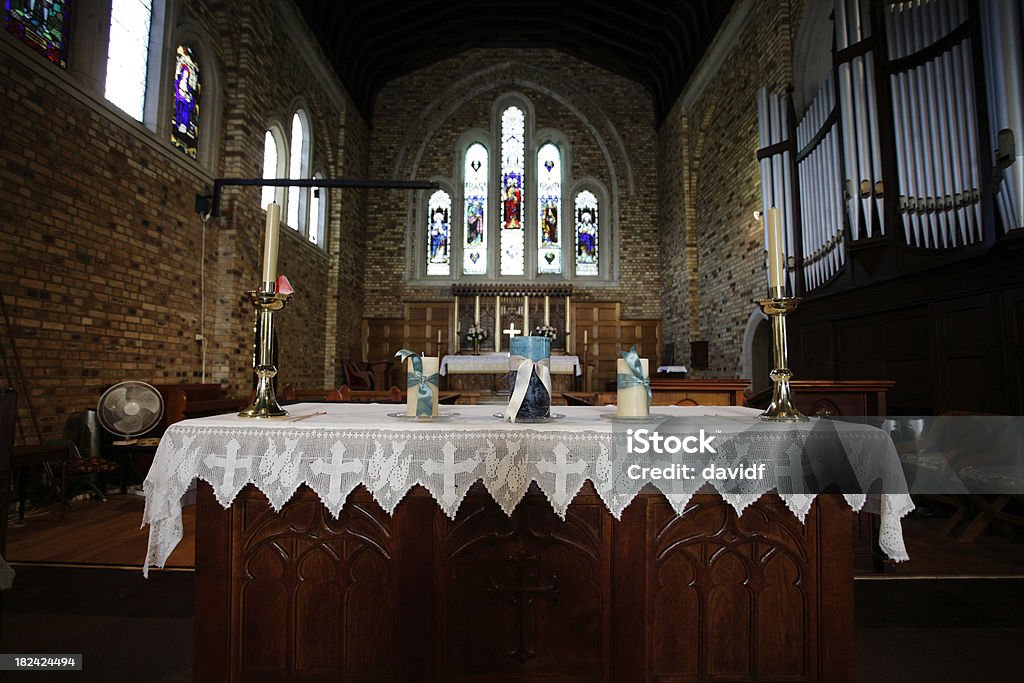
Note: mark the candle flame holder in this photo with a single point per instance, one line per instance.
(781, 409)
(266, 301)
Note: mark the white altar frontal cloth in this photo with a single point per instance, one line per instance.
(360, 444)
(497, 363)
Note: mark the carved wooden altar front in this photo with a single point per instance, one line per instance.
(416, 597)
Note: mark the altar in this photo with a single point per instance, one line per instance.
(490, 371)
(357, 546)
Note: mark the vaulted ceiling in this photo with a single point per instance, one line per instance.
(656, 44)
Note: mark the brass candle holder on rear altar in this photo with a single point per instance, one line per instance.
(781, 409)
(264, 403)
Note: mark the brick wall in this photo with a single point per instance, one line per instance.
(101, 258)
(599, 113)
(710, 187)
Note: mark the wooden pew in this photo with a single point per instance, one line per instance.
(834, 397)
(184, 401)
(393, 395)
(689, 392)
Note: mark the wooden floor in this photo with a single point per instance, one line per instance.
(99, 533)
(95, 533)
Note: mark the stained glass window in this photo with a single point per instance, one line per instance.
(513, 130)
(42, 24)
(187, 88)
(270, 157)
(128, 55)
(439, 213)
(298, 167)
(586, 233)
(474, 248)
(549, 209)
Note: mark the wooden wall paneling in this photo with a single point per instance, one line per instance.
(908, 357)
(857, 345)
(813, 356)
(968, 359)
(382, 337)
(1013, 358)
(423, 320)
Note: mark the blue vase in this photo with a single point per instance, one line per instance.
(537, 403)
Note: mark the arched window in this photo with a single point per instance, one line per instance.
(298, 167)
(474, 248)
(439, 213)
(318, 213)
(128, 56)
(587, 215)
(273, 161)
(513, 179)
(549, 209)
(187, 89)
(541, 223)
(43, 25)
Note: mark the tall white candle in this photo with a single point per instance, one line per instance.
(526, 314)
(566, 314)
(456, 315)
(632, 401)
(430, 366)
(547, 311)
(776, 270)
(497, 322)
(270, 242)
(585, 333)
(476, 313)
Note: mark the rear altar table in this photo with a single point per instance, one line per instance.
(307, 566)
(497, 363)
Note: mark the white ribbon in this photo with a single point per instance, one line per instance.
(523, 375)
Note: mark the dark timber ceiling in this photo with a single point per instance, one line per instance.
(656, 44)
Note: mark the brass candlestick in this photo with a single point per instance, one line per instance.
(264, 403)
(781, 409)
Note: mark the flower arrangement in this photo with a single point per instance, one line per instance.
(475, 334)
(545, 331)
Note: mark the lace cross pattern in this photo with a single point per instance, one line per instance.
(354, 445)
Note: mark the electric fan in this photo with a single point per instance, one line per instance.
(129, 409)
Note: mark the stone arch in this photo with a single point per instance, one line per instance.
(755, 354)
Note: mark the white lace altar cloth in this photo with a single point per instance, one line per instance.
(355, 444)
(497, 363)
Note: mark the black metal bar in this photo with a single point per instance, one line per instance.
(930, 52)
(773, 149)
(826, 126)
(312, 182)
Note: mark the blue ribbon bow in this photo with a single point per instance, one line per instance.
(425, 392)
(636, 378)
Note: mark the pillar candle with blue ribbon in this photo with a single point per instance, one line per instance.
(529, 378)
(422, 380)
(634, 385)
